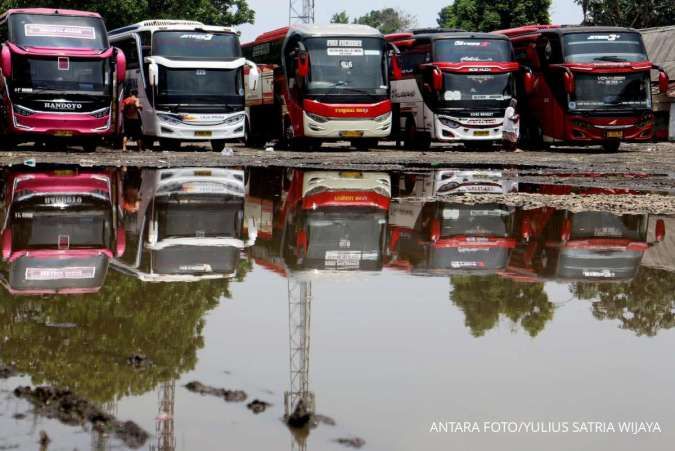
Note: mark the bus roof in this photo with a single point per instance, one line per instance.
(170, 24)
(312, 30)
(48, 11)
(410, 36)
(536, 30)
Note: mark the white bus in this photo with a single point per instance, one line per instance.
(190, 80)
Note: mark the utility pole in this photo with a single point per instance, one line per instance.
(164, 425)
(300, 11)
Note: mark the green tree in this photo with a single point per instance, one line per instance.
(83, 342)
(388, 20)
(483, 299)
(340, 17)
(645, 305)
(484, 15)
(628, 13)
(123, 12)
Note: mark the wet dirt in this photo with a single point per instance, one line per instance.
(70, 409)
(353, 442)
(227, 395)
(7, 371)
(257, 406)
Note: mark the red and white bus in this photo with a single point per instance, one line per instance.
(591, 85)
(60, 77)
(454, 86)
(319, 83)
(60, 231)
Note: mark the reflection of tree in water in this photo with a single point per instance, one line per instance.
(83, 342)
(644, 305)
(484, 298)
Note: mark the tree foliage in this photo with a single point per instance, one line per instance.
(628, 13)
(340, 17)
(646, 305)
(485, 15)
(124, 12)
(388, 20)
(83, 342)
(483, 299)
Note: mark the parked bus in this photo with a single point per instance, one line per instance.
(190, 81)
(60, 77)
(189, 226)
(60, 231)
(320, 83)
(454, 87)
(591, 85)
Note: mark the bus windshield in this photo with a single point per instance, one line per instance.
(608, 91)
(472, 50)
(42, 222)
(346, 66)
(200, 87)
(57, 31)
(604, 47)
(476, 222)
(193, 45)
(477, 90)
(199, 216)
(606, 225)
(81, 76)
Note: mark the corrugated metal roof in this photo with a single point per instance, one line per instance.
(660, 43)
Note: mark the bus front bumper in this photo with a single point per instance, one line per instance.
(62, 124)
(231, 127)
(347, 129)
(448, 129)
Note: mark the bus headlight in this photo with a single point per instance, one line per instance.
(234, 119)
(22, 111)
(168, 118)
(383, 117)
(317, 118)
(448, 122)
(103, 112)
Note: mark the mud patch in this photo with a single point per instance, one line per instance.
(227, 395)
(353, 442)
(257, 406)
(70, 409)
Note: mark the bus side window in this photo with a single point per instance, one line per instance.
(4, 32)
(130, 49)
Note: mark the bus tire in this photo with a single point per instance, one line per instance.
(611, 146)
(148, 142)
(365, 143)
(217, 145)
(90, 146)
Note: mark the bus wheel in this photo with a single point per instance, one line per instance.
(170, 144)
(217, 145)
(365, 144)
(148, 142)
(611, 146)
(90, 146)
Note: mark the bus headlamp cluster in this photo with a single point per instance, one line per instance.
(317, 118)
(22, 111)
(448, 122)
(383, 117)
(234, 119)
(103, 112)
(169, 118)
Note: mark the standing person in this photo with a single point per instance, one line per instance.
(511, 128)
(132, 120)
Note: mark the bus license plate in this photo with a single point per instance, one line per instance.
(351, 174)
(615, 134)
(64, 133)
(351, 134)
(203, 134)
(481, 133)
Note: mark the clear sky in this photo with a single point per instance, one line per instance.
(272, 14)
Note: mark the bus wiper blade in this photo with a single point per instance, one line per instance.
(613, 59)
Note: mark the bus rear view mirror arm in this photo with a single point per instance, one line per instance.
(153, 74)
(663, 79)
(6, 62)
(253, 75)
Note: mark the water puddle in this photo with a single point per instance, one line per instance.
(283, 308)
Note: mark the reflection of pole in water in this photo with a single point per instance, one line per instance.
(164, 431)
(299, 401)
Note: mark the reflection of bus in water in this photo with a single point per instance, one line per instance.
(438, 238)
(329, 220)
(564, 245)
(60, 231)
(189, 225)
(458, 181)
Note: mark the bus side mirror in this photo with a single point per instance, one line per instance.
(120, 66)
(6, 62)
(396, 73)
(528, 81)
(566, 231)
(302, 64)
(437, 79)
(568, 80)
(253, 75)
(435, 232)
(301, 243)
(532, 57)
(120, 242)
(153, 74)
(663, 82)
(526, 231)
(660, 230)
(6, 243)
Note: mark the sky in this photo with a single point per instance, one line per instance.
(271, 14)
